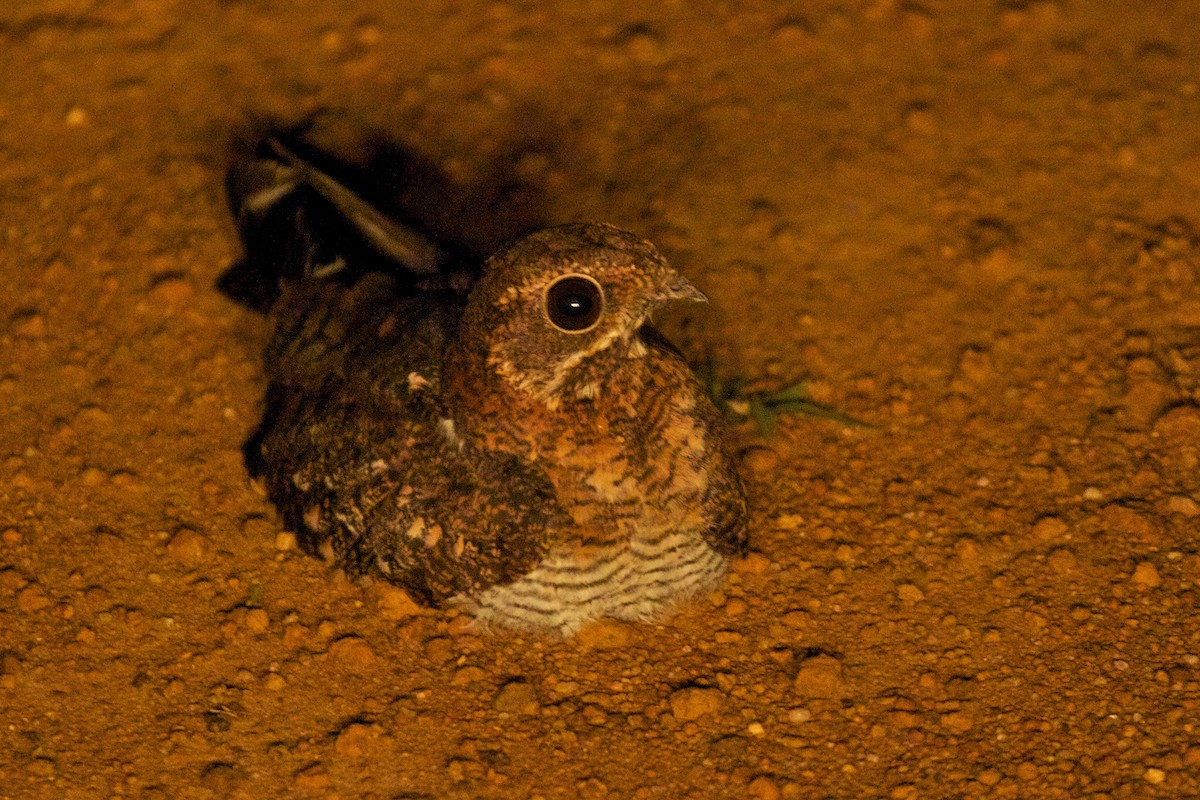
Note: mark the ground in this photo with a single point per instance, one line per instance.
(972, 225)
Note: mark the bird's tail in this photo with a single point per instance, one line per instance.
(298, 223)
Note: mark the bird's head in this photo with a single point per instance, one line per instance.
(557, 312)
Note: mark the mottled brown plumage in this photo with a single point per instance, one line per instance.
(531, 450)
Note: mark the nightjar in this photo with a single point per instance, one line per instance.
(516, 440)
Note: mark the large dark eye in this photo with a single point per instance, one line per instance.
(574, 303)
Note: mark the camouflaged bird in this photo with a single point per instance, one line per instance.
(525, 446)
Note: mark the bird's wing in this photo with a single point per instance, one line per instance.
(399, 498)
(460, 525)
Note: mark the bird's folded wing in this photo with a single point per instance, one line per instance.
(457, 523)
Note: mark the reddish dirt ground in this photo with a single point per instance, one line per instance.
(974, 225)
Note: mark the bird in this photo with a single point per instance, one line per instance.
(515, 440)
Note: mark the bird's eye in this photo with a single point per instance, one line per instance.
(574, 303)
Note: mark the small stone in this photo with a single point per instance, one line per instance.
(958, 721)
(274, 682)
(221, 778)
(910, 593)
(976, 366)
(762, 788)
(171, 290)
(188, 546)
(1146, 575)
(1130, 523)
(76, 117)
(1182, 504)
(258, 528)
(92, 477)
(989, 776)
(760, 460)
(354, 740)
(439, 650)
(821, 676)
(644, 48)
(29, 325)
(1049, 528)
(257, 620)
(313, 777)
(799, 716)
(285, 541)
(1181, 423)
(465, 676)
(1154, 775)
(394, 603)
(752, 564)
(43, 767)
(694, 702)
(796, 618)
(32, 598)
(516, 697)
(353, 652)
(603, 635)
(1027, 771)
(1062, 561)
(735, 606)
(788, 522)
(11, 536)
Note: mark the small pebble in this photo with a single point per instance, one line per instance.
(1062, 561)
(188, 546)
(762, 788)
(29, 326)
(394, 603)
(1048, 528)
(1182, 504)
(171, 291)
(760, 459)
(32, 598)
(516, 697)
(694, 702)
(354, 740)
(821, 676)
(798, 716)
(222, 779)
(312, 778)
(257, 620)
(1154, 775)
(752, 564)
(603, 635)
(76, 117)
(465, 676)
(439, 650)
(1146, 575)
(353, 652)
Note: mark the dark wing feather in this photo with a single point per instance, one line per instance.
(354, 447)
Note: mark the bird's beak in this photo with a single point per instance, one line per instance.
(680, 288)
